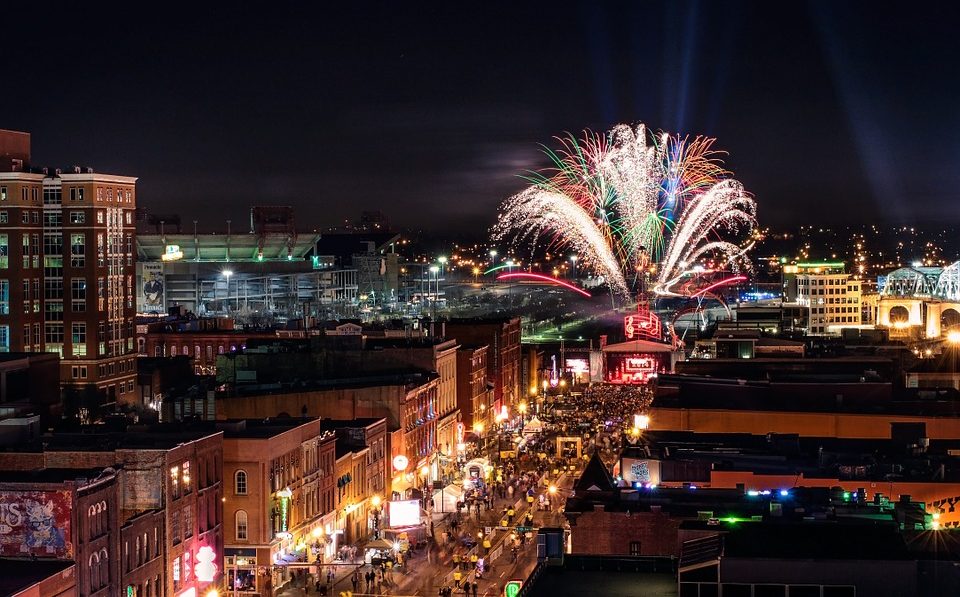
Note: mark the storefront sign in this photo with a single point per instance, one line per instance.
(284, 496)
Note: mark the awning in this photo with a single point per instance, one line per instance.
(379, 544)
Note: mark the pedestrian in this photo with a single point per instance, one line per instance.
(355, 581)
(475, 588)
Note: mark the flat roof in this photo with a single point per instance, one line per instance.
(789, 454)
(350, 423)
(260, 428)
(17, 575)
(815, 540)
(107, 438)
(50, 475)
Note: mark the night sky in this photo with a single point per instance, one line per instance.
(832, 112)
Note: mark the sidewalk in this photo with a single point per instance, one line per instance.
(342, 573)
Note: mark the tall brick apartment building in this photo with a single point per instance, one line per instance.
(67, 268)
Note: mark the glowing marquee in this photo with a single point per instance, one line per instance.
(644, 324)
(633, 369)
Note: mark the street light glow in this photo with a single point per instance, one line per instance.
(953, 336)
(375, 500)
(228, 272)
(442, 259)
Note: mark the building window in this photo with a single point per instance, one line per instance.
(188, 521)
(176, 574)
(78, 250)
(4, 297)
(4, 251)
(241, 525)
(3, 193)
(175, 481)
(186, 477)
(240, 483)
(78, 295)
(77, 217)
(175, 528)
(4, 338)
(634, 548)
(79, 338)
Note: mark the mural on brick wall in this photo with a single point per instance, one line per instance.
(35, 523)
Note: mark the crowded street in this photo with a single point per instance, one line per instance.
(512, 482)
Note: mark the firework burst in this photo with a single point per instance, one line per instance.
(628, 199)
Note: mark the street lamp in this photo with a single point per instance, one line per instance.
(573, 260)
(436, 292)
(226, 274)
(375, 501)
(493, 256)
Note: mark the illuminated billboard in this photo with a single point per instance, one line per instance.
(35, 523)
(403, 513)
(640, 470)
(152, 296)
(631, 368)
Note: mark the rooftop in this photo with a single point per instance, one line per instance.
(260, 428)
(19, 575)
(51, 475)
(350, 423)
(118, 436)
(788, 454)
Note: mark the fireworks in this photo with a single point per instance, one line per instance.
(628, 202)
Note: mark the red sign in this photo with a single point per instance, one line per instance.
(642, 325)
(36, 523)
(633, 369)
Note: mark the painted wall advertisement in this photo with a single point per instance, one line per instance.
(152, 292)
(35, 523)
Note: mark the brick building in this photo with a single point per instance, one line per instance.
(67, 515)
(169, 471)
(279, 506)
(67, 269)
(352, 493)
(502, 336)
(407, 403)
(369, 433)
(473, 394)
(201, 340)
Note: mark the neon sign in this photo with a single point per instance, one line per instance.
(642, 325)
(205, 570)
(284, 495)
